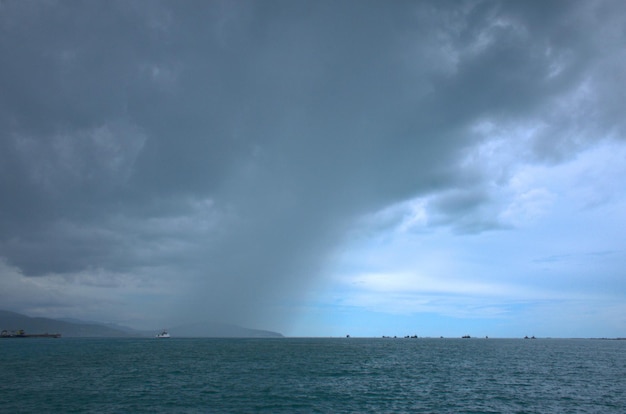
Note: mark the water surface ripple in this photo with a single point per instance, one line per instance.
(313, 375)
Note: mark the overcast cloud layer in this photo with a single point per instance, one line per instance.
(316, 166)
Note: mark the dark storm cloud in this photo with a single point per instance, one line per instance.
(235, 142)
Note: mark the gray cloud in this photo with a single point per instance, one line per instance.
(236, 142)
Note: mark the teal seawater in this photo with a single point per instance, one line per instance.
(313, 375)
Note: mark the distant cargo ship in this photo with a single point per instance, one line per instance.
(21, 334)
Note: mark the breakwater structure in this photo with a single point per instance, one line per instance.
(21, 334)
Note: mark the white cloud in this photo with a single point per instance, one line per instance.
(571, 210)
(228, 147)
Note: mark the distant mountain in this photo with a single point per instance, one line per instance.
(12, 321)
(108, 325)
(68, 328)
(219, 330)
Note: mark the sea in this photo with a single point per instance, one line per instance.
(312, 375)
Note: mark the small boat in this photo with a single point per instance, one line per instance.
(163, 334)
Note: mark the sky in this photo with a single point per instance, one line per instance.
(316, 168)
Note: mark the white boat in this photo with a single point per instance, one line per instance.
(163, 334)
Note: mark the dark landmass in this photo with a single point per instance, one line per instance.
(122, 328)
(74, 328)
(12, 321)
(219, 330)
